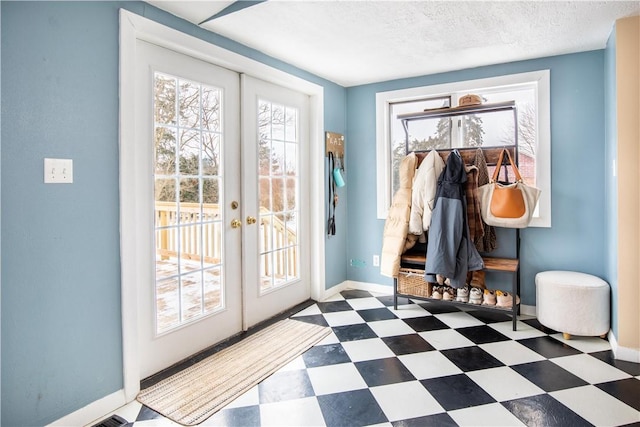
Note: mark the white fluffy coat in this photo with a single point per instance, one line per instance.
(423, 194)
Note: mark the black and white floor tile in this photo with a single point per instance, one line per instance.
(429, 364)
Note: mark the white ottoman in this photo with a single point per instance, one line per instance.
(573, 303)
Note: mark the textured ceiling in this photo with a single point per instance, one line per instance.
(358, 42)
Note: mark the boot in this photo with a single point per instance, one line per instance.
(477, 279)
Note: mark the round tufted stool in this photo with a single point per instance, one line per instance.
(573, 303)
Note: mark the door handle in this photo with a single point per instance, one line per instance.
(251, 220)
(236, 223)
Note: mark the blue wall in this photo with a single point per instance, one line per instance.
(336, 246)
(61, 318)
(576, 239)
(611, 181)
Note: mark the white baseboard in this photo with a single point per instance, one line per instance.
(529, 310)
(371, 287)
(328, 293)
(623, 353)
(361, 286)
(93, 412)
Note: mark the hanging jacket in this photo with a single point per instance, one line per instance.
(423, 194)
(395, 240)
(450, 253)
(485, 242)
(474, 216)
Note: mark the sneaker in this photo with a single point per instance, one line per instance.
(475, 296)
(489, 297)
(437, 292)
(449, 294)
(463, 294)
(505, 299)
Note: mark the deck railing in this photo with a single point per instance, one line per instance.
(177, 234)
(281, 243)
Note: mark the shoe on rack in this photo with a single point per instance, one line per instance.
(505, 299)
(449, 294)
(437, 292)
(475, 296)
(489, 297)
(477, 279)
(463, 294)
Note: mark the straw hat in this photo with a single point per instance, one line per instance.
(469, 100)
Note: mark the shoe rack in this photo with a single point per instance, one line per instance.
(416, 260)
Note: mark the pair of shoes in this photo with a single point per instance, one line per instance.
(463, 294)
(436, 293)
(477, 279)
(505, 299)
(475, 296)
(489, 297)
(448, 294)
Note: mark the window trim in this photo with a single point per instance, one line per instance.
(543, 156)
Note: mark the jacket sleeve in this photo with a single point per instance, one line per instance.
(430, 186)
(418, 199)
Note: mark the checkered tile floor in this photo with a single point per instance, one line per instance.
(429, 364)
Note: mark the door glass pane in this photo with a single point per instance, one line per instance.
(188, 195)
(165, 143)
(167, 304)
(278, 164)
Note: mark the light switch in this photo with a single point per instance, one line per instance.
(58, 171)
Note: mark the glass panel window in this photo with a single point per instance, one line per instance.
(423, 135)
(188, 195)
(500, 129)
(278, 164)
(529, 91)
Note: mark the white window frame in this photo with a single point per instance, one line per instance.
(543, 154)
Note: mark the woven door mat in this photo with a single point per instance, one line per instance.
(194, 394)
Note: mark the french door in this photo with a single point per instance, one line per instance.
(224, 237)
(275, 157)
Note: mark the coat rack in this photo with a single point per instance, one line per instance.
(334, 145)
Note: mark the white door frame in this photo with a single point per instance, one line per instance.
(132, 28)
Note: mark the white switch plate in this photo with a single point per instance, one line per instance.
(58, 171)
(376, 261)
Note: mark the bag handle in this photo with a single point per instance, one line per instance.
(496, 172)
